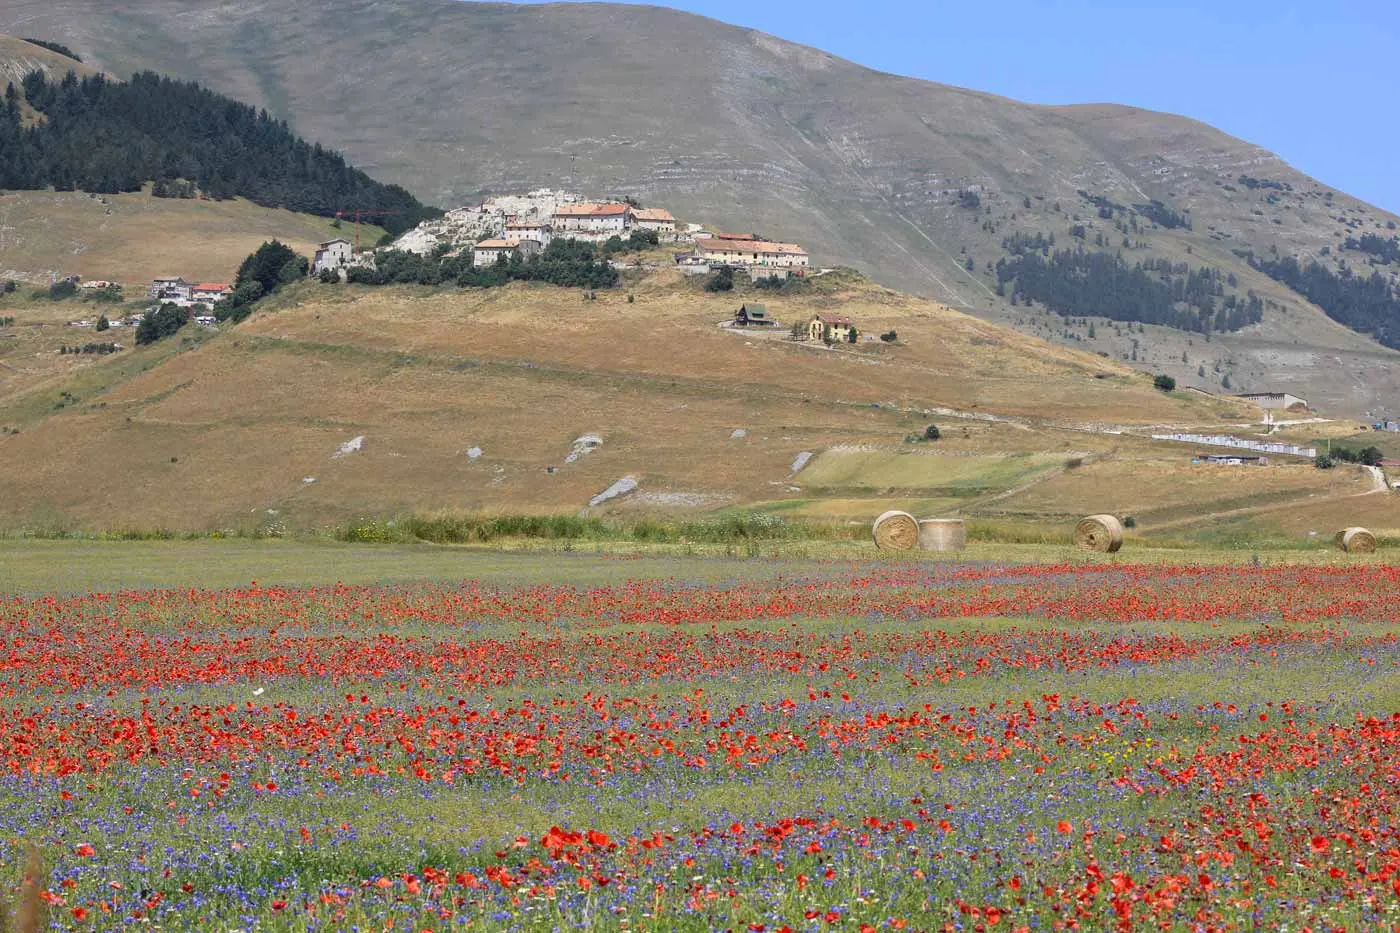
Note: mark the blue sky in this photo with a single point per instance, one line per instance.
(1317, 82)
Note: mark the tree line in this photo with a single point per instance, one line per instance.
(1101, 284)
(58, 47)
(567, 263)
(107, 137)
(1386, 250)
(1367, 305)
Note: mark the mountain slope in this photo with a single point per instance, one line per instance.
(745, 131)
(336, 402)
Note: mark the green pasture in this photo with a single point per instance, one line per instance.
(73, 566)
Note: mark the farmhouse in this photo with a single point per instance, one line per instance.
(489, 252)
(753, 316)
(592, 222)
(208, 293)
(656, 219)
(522, 230)
(826, 327)
(170, 288)
(751, 253)
(332, 255)
(1275, 401)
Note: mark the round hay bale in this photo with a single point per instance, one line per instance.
(1101, 533)
(942, 534)
(896, 531)
(1356, 541)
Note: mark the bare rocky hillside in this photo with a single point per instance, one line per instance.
(911, 181)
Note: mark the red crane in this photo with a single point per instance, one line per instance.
(359, 213)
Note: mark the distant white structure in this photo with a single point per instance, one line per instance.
(537, 231)
(489, 252)
(332, 255)
(172, 289)
(592, 222)
(464, 226)
(1274, 401)
(753, 253)
(1226, 440)
(656, 220)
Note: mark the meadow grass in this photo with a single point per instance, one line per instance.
(331, 831)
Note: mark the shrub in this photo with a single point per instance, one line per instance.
(161, 323)
(61, 290)
(770, 283)
(103, 323)
(1324, 462)
(1129, 521)
(721, 281)
(931, 433)
(890, 337)
(1164, 382)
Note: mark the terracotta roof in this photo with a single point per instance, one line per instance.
(655, 214)
(498, 244)
(590, 210)
(212, 287)
(716, 244)
(834, 320)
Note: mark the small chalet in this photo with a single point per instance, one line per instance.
(826, 327)
(753, 316)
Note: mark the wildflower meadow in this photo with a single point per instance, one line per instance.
(824, 746)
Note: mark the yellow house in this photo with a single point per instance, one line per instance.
(830, 327)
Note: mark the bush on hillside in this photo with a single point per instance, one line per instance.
(161, 323)
(1164, 382)
(721, 281)
(273, 265)
(58, 47)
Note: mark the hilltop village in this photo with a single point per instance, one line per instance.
(525, 224)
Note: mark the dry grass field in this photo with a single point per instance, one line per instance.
(132, 238)
(470, 402)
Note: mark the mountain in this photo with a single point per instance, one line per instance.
(908, 180)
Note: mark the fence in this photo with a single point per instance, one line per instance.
(1239, 443)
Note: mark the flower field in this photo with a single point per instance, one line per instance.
(818, 747)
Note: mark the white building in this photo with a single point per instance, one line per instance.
(592, 222)
(656, 219)
(170, 289)
(488, 252)
(332, 254)
(538, 231)
(1275, 401)
(753, 253)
